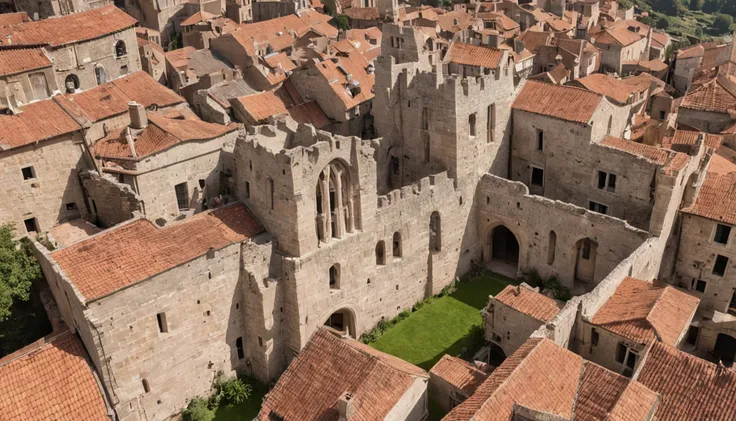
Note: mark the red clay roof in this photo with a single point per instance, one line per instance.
(329, 366)
(690, 388)
(22, 60)
(317, 22)
(691, 52)
(7, 19)
(363, 13)
(68, 29)
(669, 161)
(355, 65)
(162, 132)
(690, 138)
(111, 98)
(546, 377)
(267, 104)
(133, 252)
(619, 34)
(535, 39)
(459, 373)
(196, 18)
(563, 102)
(717, 198)
(529, 302)
(50, 380)
(473, 55)
(718, 95)
(38, 121)
(641, 312)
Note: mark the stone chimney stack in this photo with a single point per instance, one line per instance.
(138, 118)
(345, 406)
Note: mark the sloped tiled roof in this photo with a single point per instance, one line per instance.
(267, 104)
(718, 95)
(22, 60)
(131, 252)
(162, 132)
(529, 302)
(473, 55)
(196, 18)
(356, 66)
(546, 377)
(38, 121)
(459, 373)
(690, 138)
(563, 102)
(7, 19)
(617, 35)
(691, 52)
(363, 13)
(329, 366)
(655, 155)
(56, 32)
(690, 388)
(318, 23)
(50, 380)
(535, 39)
(717, 198)
(641, 312)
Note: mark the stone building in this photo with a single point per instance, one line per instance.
(166, 16)
(25, 75)
(708, 105)
(189, 70)
(453, 380)
(623, 41)
(43, 9)
(102, 45)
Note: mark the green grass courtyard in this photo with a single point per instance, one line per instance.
(442, 326)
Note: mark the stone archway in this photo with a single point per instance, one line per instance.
(504, 251)
(343, 320)
(725, 349)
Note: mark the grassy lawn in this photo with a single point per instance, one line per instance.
(443, 326)
(247, 410)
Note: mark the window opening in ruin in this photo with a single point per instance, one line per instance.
(662, 114)
(71, 206)
(163, 326)
(395, 166)
(692, 335)
(121, 178)
(146, 386)
(397, 244)
(239, 347)
(381, 253)
(537, 177)
(271, 192)
(124, 70)
(586, 249)
(491, 122)
(100, 75)
(28, 173)
(594, 336)
(425, 118)
(719, 268)
(722, 234)
(610, 125)
(435, 232)
(120, 49)
(471, 124)
(427, 147)
(335, 276)
(182, 196)
(597, 207)
(31, 226)
(540, 140)
(551, 247)
(700, 285)
(260, 341)
(606, 181)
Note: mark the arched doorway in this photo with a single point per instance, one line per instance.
(342, 320)
(504, 251)
(586, 254)
(725, 349)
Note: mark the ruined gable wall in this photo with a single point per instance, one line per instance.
(111, 202)
(56, 164)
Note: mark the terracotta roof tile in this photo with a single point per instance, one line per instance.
(690, 138)
(50, 380)
(619, 34)
(718, 95)
(329, 366)
(196, 18)
(455, 21)
(690, 388)
(655, 155)
(641, 312)
(473, 55)
(717, 198)
(132, 252)
(356, 66)
(279, 33)
(529, 302)
(55, 32)
(600, 389)
(22, 60)
(459, 373)
(535, 39)
(7, 19)
(619, 90)
(38, 121)
(279, 61)
(364, 13)
(111, 98)
(691, 52)
(563, 102)
(318, 23)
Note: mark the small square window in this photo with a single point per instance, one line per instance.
(700, 285)
(28, 173)
(537, 176)
(719, 268)
(71, 206)
(597, 207)
(722, 234)
(31, 226)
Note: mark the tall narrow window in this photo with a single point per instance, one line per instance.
(471, 124)
(719, 268)
(335, 276)
(146, 386)
(425, 118)
(397, 244)
(586, 249)
(610, 125)
(540, 140)
(427, 147)
(381, 253)
(100, 75)
(120, 49)
(28, 173)
(722, 233)
(491, 122)
(239, 347)
(271, 192)
(551, 247)
(247, 190)
(163, 327)
(182, 196)
(435, 232)
(732, 304)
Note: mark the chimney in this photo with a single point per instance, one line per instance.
(345, 406)
(138, 118)
(131, 142)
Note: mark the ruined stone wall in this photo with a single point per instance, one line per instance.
(54, 193)
(507, 327)
(532, 218)
(111, 202)
(19, 86)
(704, 121)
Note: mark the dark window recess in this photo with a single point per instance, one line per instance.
(162, 325)
(540, 140)
(692, 335)
(733, 300)
(146, 386)
(121, 178)
(597, 207)
(606, 181)
(719, 268)
(631, 360)
(620, 353)
(594, 337)
(662, 114)
(537, 176)
(586, 249)
(239, 347)
(71, 206)
(182, 196)
(722, 234)
(247, 191)
(700, 285)
(28, 173)
(30, 224)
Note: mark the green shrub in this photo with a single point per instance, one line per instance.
(198, 410)
(551, 285)
(229, 391)
(723, 23)
(663, 23)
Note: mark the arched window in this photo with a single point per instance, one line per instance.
(435, 232)
(381, 253)
(120, 48)
(471, 124)
(397, 244)
(334, 202)
(100, 75)
(71, 83)
(551, 247)
(335, 276)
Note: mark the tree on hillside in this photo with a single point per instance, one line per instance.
(669, 7)
(18, 270)
(723, 23)
(712, 6)
(663, 23)
(695, 4)
(729, 8)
